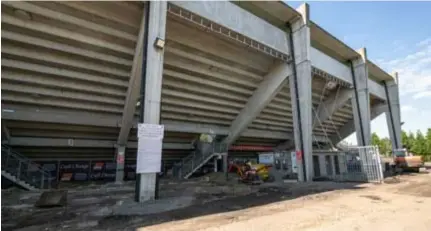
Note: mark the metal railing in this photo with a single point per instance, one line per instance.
(361, 164)
(24, 170)
(199, 157)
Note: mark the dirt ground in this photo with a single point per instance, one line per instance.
(402, 203)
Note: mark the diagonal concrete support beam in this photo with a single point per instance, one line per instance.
(268, 88)
(349, 127)
(5, 131)
(133, 88)
(333, 103)
(327, 108)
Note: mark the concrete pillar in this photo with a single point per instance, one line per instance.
(225, 166)
(332, 165)
(119, 175)
(322, 165)
(300, 89)
(361, 99)
(153, 88)
(393, 112)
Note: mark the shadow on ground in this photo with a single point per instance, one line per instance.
(263, 196)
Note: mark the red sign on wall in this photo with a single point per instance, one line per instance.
(120, 159)
(299, 155)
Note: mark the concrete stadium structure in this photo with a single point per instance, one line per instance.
(256, 73)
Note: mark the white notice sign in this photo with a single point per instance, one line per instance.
(150, 141)
(149, 159)
(266, 158)
(150, 131)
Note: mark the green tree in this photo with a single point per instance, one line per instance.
(375, 140)
(385, 146)
(427, 153)
(419, 144)
(405, 140)
(411, 140)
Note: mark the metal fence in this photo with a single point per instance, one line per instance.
(361, 164)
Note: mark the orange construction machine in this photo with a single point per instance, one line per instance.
(406, 161)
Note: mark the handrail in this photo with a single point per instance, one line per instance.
(19, 166)
(192, 161)
(25, 159)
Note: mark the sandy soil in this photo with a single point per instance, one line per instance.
(401, 203)
(401, 206)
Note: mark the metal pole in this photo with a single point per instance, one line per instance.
(58, 173)
(43, 178)
(19, 169)
(225, 166)
(143, 84)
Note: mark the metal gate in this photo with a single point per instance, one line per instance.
(361, 164)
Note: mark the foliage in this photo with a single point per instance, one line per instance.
(384, 144)
(418, 143)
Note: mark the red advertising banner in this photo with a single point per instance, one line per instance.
(66, 176)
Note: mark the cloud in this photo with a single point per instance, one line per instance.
(424, 42)
(407, 108)
(414, 70)
(422, 94)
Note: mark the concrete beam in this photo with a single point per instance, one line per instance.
(342, 71)
(133, 88)
(224, 131)
(330, 65)
(13, 112)
(17, 113)
(83, 143)
(239, 20)
(349, 127)
(393, 112)
(266, 91)
(5, 131)
(66, 34)
(361, 99)
(376, 89)
(58, 16)
(332, 104)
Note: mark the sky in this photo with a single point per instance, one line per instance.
(397, 36)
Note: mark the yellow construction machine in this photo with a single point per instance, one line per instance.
(252, 173)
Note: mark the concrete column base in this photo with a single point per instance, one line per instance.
(147, 190)
(119, 175)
